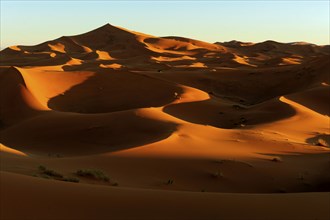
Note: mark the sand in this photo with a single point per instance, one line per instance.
(183, 129)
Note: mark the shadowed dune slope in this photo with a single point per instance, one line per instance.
(17, 102)
(70, 134)
(226, 115)
(108, 91)
(90, 92)
(315, 99)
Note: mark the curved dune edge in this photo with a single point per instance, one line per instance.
(5, 149)
(305, 124)
(47, 84)
(72, 134)
(196, 106)
(302, 109)
(202, 141)
(52, 87)
(17, 102)
(314, 98)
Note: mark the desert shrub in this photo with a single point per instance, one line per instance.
(53, 173)
(92, 173)
(45, 177)
(49, 172)
(71, 179)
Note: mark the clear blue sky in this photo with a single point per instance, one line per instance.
(33, 22)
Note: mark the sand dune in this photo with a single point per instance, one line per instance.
(202, 205)
(68, 134)
(315, 99)
(184, 129)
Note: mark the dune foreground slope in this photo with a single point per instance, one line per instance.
(117, 124)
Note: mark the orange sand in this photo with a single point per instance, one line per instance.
(184, 129)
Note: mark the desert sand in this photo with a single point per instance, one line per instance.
(165, 128)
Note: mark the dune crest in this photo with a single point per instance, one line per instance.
(5, 149)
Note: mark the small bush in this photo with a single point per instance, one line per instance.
(53, 173)
(49, 172)
(91, 173)
(45, 177)
(71, 179)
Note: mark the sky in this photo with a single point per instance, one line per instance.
(33, 22)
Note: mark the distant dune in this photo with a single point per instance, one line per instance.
(164, 128)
